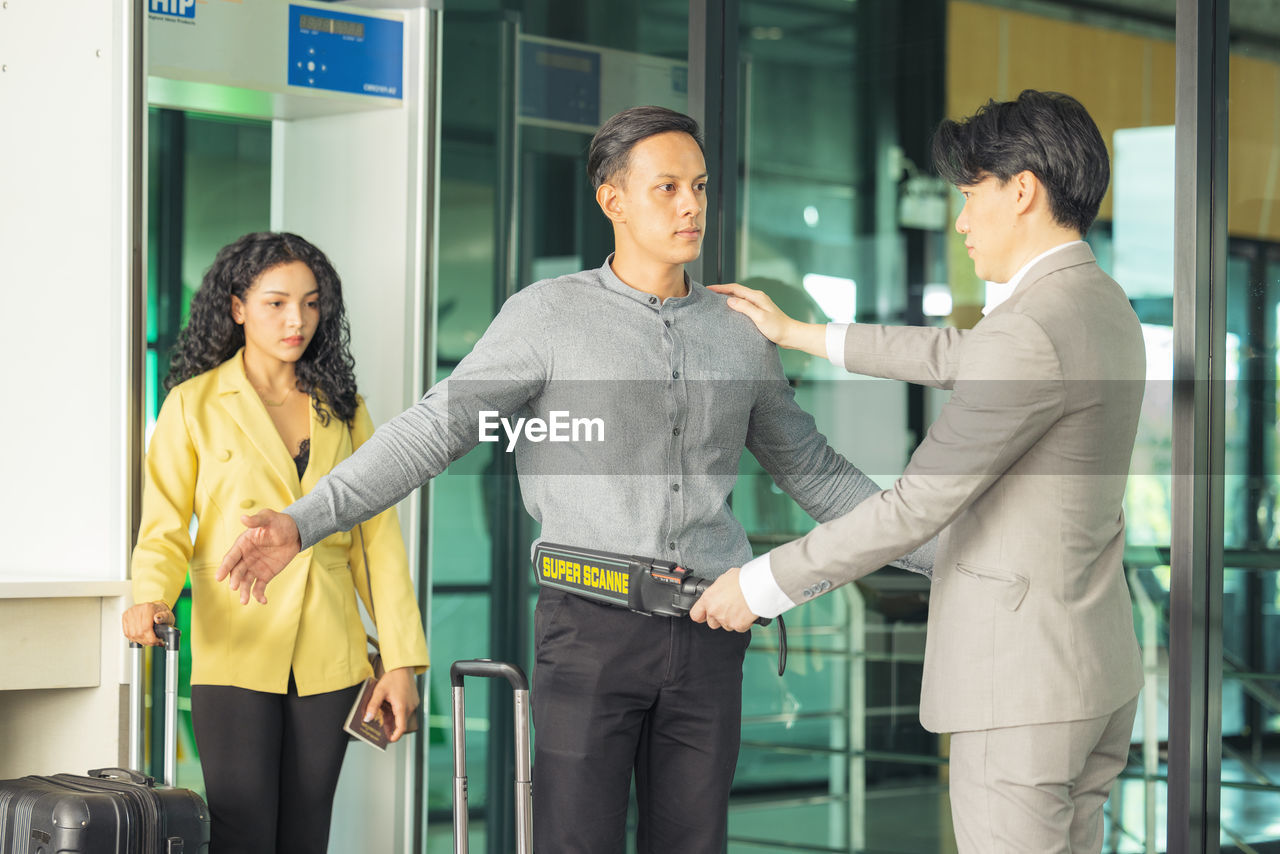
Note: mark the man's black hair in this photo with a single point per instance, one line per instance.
(610, 152)
(1048, 134)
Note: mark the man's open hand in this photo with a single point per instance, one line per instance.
(260, 553)
(723, 606)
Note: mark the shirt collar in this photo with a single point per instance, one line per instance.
(613, 283)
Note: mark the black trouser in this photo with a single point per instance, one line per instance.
(271, 764)
(615, 692)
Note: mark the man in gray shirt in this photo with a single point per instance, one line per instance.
(639, 389)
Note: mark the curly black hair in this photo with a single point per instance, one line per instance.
(326, 370)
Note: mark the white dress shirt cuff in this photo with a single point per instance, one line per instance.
(764, 597)
(836, 333)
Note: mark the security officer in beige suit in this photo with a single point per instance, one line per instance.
(1031, 659)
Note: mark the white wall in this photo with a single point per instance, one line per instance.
(65, 252)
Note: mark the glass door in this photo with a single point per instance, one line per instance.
(1249, 797)
(837, 102)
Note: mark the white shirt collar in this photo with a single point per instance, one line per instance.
(999, 292)
(1017, 277)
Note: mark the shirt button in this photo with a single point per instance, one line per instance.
(652, 300)
(675, 487)
(671, 546)
(675, 375)
(224, 454)
(667, 322)
(675, 431)
(247, 503)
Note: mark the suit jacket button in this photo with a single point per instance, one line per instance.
(824, 586)
(247, 503)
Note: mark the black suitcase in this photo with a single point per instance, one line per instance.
(111, 810)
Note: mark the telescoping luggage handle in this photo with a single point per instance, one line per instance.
(171, 636)
(488, 669)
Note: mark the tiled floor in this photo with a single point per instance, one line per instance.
(915, 819)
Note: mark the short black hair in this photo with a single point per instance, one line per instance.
(610, 151)
(1048, 134)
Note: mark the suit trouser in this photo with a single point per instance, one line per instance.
(271, 765)
(616, 692)
(1037, 788)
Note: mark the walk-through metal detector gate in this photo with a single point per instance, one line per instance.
(348, 92)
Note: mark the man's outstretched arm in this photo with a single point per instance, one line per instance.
(785, 440)
(503, 371)
(1009, 394)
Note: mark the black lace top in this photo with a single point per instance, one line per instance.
(303, 457)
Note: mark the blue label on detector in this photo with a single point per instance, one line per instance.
(173, 8)
(342, 52)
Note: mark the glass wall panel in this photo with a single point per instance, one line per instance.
(840, 219)
(1250, 794)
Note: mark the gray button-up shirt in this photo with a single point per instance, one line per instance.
(645, 408)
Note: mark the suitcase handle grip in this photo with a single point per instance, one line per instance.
(490, 670)
(170, 637)
(123, 774)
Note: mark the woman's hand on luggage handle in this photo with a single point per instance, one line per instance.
(260, 553)
(399, 689)
(138, 622)
(773, 322)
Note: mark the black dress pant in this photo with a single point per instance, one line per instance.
(271, 764)
(617, 693)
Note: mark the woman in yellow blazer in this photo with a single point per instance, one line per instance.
(262, 403)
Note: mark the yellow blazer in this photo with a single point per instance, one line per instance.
(215, 453)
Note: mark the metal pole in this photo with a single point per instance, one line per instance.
(171, 716)
(135, 709)
(1199, 320)
(172, 640)
(459, 774)
(713, 103)
(524, 776)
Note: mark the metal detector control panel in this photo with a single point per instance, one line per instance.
(342, 52)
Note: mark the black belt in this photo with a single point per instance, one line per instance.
(645, 585)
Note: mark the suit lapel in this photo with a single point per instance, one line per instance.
(327, 441)
(246, 408)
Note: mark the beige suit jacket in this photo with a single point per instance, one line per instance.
(1023, 473)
